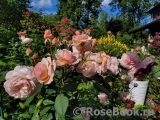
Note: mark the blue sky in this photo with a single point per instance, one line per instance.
(49, 6)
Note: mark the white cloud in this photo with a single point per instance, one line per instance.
(45, 3)
(106, 2)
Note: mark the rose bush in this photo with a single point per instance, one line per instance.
(69, 70)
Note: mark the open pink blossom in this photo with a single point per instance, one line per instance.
(114, 66)
(88, 68)
(48, 34)
(78, 39)
(66, 57)
(82, 48)
(104, 62)
(26, 40)
(103, 98)
(129, 60)
(125, 96)
(20, 82)
(44, 70)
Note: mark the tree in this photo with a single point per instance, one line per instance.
(114, 25)
(132, 12)
(80, 12)
(11, 11)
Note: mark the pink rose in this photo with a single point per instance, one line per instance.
(78, 39)
(129, 60)
(77, 32)
(66, 57)
(28, 13)
(26, 40)
(65, 20)
(82, 48)
(125, 96)
(104, 62)
(44, 70)
(48, 34)
(88, 69)
(28, 51)
(22, 33)
(20, 82)
(103, 98)
(113, 68)
(55, 41)
(94, 41)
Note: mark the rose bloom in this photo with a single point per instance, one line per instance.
(113, 68)
(88, 69)
(65, 57)
(129, 60)
(35, 56)
(103, 98)
(65, 20)
(22, 33)
(28, 51)
(104, 62)
(26, 40)
(55, 41)
(94, 41)
(20, 82)
(82, 48)
(44, 70)
(78, 39)
(77, 32)
(109, 32)
(125, 96)
(48, 34)
(28, 13)
(88, 31)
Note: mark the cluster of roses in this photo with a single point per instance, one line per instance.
(23, 80)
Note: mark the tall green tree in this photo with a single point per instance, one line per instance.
(132, 12)
(80, 12)
(11, 11)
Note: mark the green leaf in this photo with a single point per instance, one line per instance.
(157, 74)
(31, 108)
(29, 100)
(100, 88)
(45, 110)
(70, 87)
(48, 102)
(61, 104)
(35, 118)
(25, 115)
(2, 76)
